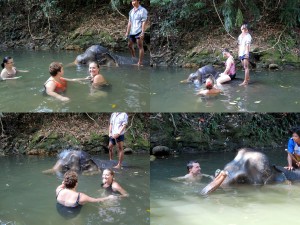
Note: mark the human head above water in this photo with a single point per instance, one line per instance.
(190, 165)
(55, 68)
(96, 64)
(111, 172)
(70, 179)
(5, 60)
(209, 83)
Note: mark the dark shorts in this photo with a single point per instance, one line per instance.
(134, 37)
(243, 57)
(232, 76)
(119, 139)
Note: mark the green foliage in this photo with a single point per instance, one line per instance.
(239, 18)
(229, 13)
(290, 13)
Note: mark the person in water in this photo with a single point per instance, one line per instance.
(229, 72)
(69, 201)
(57, 84)
(9, 71)
(194, 173)
(211, 88)
(293, 150)
(97, 79)
(110, 185)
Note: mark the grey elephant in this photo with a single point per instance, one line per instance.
(201, 75)
(103, 56)
(250, 167)
(79, 161)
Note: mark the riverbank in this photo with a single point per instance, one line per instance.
(64, 26)
(49, 133)
(173, 133)
(273, 47)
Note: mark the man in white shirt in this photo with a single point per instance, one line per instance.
(117, 126)
(244, 41)
(136, 29)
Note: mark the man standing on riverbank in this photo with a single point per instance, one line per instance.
(117, 125)
(244, 42)
(136, 29)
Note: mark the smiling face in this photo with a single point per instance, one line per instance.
(107, 177)
(93, 69)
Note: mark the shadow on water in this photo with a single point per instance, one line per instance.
(28, 196)
(178, 202)
(268, 91)
(129, 86)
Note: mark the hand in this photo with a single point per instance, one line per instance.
(116, 136)
(64, 99)
(289, 167)
(142, 35)
(112, 197)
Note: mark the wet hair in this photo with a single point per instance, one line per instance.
(97, 64)
(110, 171)
(54, 68)
(296, 130)
(5, 60)
(210, 85)
(189, 165)
(70, 179)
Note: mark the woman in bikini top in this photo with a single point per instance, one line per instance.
(110, 185)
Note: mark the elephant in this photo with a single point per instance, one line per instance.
(79, 161)
(250, 167)
(201, 75)
(104, 57)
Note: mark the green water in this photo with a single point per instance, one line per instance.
(28, 196)
(179, 203)
(268, 91)
(129, 92)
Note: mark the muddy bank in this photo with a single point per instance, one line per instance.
(49, 133)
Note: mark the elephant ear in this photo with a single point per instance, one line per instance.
(107, 59)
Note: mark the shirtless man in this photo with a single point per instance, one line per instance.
(244, 41)
(211, 89)
(194, 173)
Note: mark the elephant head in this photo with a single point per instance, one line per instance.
(93, 53)
(248, 167)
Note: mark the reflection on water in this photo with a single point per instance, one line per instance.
(129, 92)
(179, 203)
(28, 196)
(268, 91)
